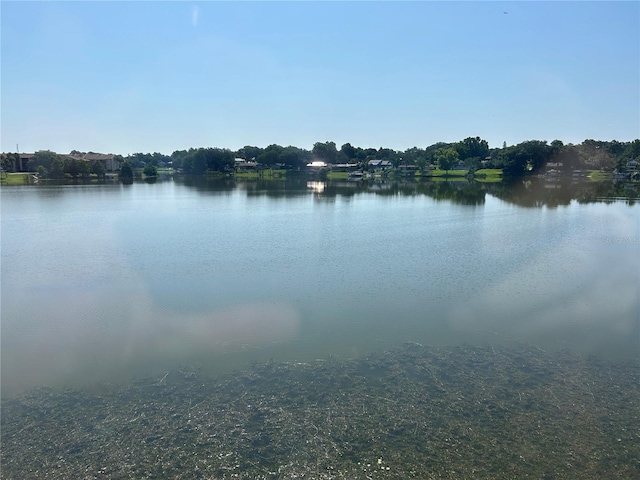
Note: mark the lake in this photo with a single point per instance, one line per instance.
(103, 283)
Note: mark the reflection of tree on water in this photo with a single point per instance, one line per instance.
(464, 193)
(537, 192)
(531, 192)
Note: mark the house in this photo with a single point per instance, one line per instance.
(407, 170)
(110, 162)
(317, 165)
(380, 164)
(460, 166)
(244, 165)
(556, 165)
(21, 163)
(344, 167)
(633, 165)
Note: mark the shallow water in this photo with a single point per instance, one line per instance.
(106, 282)
(470, 411)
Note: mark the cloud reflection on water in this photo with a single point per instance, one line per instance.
(562, 295)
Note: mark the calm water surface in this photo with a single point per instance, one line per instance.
(105, 282)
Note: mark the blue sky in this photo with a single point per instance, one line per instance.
(126, 77)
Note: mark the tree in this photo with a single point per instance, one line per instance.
(512, 160)
(150, 170)
(177, 157)
(325, 151)
(44, 158)
(294, 157)
(348, 151)
(158, 157)
(270, 155)
(472, 147)
(195, 162)
(431, 150)
(57, 169)
(446, 158)
(98, 169)
(632, 152)
(415, 156)
(218, 159)
(569, 156)
(538, 153)
(76, 168)
(126, 171)
(388, 154)
(615, 147)
(594, 154)
(9, 161)
(249, 152)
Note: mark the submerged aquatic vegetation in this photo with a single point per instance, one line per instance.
(413, 412)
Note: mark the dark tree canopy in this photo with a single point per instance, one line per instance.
(325, 151)
(472, 147)
(150, 170)
(126, 171)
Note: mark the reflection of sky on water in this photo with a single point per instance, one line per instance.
(163, 275)
(575, 292)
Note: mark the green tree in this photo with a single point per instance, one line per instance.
(249, 152)
(218, 159)
(570, 157)
(157, 157)
(177, 158)
(126, 171)
(472, 147)
(415, 156)
(42, 157)
(326, 151)
(538, 153)
(513, 161)
(150, 170)
(530, 155)
(57, 168)
(197, 163)
(270, 155)
(348, 151)
(76, 168)
(294, 157)
(388, 154)
(72, 167)
(9, 161)
(615, 148)
(98, 169)
(632, 152)
(431, 150)
(446, 158)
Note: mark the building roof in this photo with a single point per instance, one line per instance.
(98, 156)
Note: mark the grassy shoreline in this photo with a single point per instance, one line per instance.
(17, 179)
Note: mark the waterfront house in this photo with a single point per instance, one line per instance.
(110, 162)
(380, 164)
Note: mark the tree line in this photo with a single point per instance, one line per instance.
(473, 152)
(48, 164)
